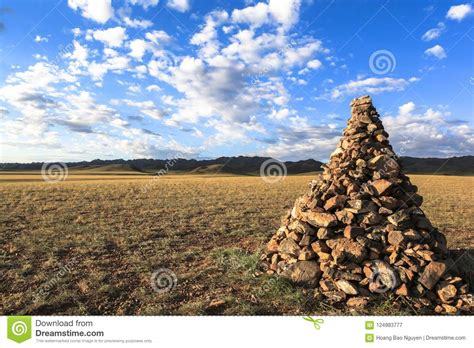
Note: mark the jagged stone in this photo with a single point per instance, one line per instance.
(447, 293)
(347, 287)
(289, 246)
(432, 273)
(335, 202)
(352, 232)
(305, 273)
(381, 186)
(319, 219)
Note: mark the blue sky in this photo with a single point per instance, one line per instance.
(83, 79)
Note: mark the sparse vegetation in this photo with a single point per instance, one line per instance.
(111, 232)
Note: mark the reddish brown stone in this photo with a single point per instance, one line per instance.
(352, 232)
(381, 186)
(319, 219)
(432, 273)
(335, 202)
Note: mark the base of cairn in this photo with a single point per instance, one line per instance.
(360, 232)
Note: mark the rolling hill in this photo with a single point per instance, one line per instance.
(242, 165)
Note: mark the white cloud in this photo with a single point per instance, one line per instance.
(314, 64)
(97, 10)
(436, 51)
(280, 12)
(207, 37)
(280, 114)
(138, 48)
(254, 15)
(371, 85)
(153, 88)
(39, 38)
(39, 57)
(428, 133)
(117, 64)
(434, 33)
(79, 54)
(158, 37)
(137, 23)
(300, 139)
(285, 12)
(459, 12)
(112, 37)
(144, 3)
(407, 109)
(179, 5)
(147, 107)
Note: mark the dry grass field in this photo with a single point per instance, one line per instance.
(90, 244)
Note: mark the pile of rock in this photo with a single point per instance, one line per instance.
(360, 230)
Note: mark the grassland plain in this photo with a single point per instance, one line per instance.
(89, 245)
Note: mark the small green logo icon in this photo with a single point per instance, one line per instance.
(316, 322)
(19, 328)
(369, 338)
(369, 325)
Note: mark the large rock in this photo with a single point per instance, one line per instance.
(306, 273)
(319, 219)
(401, 219)
(383, 278)
(289, 246)
(347, 287)
(381, 186)
(432, 273)
(335, 202)
(447, 293)
(346, 250)
(385, 164)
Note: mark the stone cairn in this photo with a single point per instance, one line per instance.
(360, 231)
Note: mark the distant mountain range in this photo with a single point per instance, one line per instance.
(246, 165)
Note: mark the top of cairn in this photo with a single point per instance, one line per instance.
(360, 230)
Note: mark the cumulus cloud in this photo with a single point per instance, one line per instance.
(99, 11)
(144, 3)
(138, 48)
(39, 96)
(371, 85)
(79, 54)
(434, 33)
(314, 64)
(436, 51)
(137, 23)
(407, 109)
(179, 5)
(300, 139)
(282, 12)
(425, 132)
(459, 12)
(112, 37)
